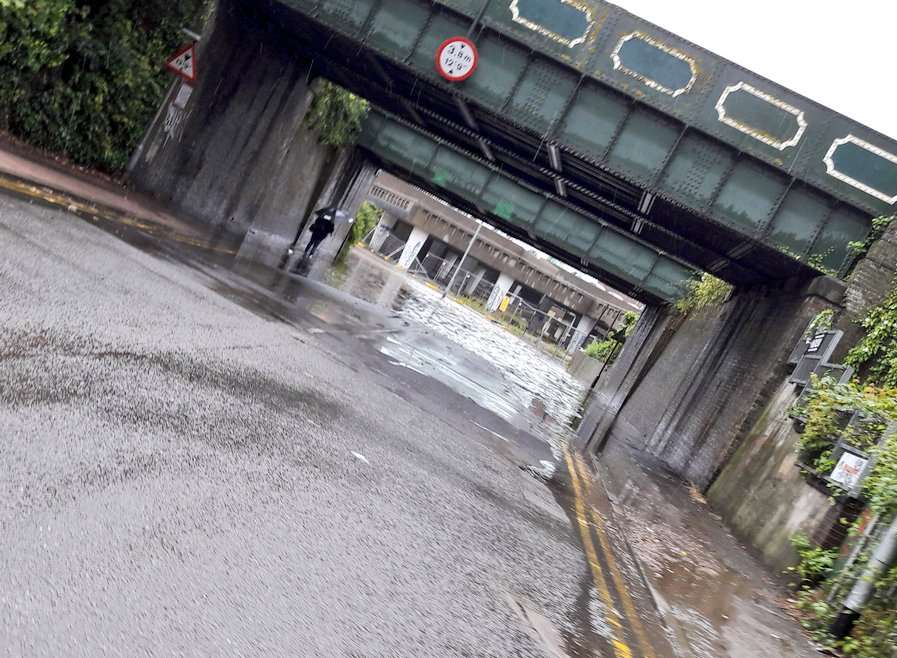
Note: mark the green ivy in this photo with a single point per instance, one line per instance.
(823, 321)
(366, 219)
(337, 114)
(876, 354)
(703, 292)
(879, 226)
(828, 408)
(83, 78)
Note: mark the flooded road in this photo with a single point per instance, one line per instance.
(498, 370)
(206, 456)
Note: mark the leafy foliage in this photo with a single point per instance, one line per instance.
(704, 291)
(602, 350)
(879, 226)
(875, 634)
(830, 407)
(337, 114)
(609, 348)
(815, 563)
(876, 354)
(83, 78)
(630, 319)
(823, 321)
(367, 217)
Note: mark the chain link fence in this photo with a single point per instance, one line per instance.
(471, 287)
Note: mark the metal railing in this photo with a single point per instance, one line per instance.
(472, 288)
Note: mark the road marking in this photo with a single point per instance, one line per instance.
(616, 575)
(621, 649)
(506, 440)
(73, 205)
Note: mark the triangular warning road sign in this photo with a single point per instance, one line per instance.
(183, 62)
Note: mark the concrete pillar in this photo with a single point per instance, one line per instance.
(231, 157)
(583, 329)
(688, 389)
(652, 333)
(475, 280)
(386, 224)
(499, 291)
(412, 247)
(390, 290)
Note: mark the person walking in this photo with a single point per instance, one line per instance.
(321, 229)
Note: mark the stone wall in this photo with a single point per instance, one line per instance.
(762, 494)
(871, 281)
(697, 387)
(238, 156)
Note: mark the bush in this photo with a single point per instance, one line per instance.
(366, 219)
(815, 563)
(336, 113)
(83, 78)
(703, 292)
(602, 350)
(828, 408)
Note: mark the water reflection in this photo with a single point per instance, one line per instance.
(483, 361)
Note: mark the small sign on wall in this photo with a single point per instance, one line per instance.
(183, 96)
(849, 470)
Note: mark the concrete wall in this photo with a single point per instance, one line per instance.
(239, 157)
(762, 495)
(584, 368)
(700, 384)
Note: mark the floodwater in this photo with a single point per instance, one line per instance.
(500, 371)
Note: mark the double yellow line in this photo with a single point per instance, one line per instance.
(588, 519)
(74, 205)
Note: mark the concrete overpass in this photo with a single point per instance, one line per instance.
(431, 228)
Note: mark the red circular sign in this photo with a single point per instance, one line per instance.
(457, 59)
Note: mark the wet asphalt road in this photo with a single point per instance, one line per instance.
(195, 464)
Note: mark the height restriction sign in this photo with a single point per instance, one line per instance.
(457, 59)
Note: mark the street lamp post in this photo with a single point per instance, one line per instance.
(463, 258)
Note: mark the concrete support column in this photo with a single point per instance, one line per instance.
(499, 291)
(475, 280)
(583, 329)
(688, 389)
(386, 224)
(652, 333)
(412, 247)
(229, 158)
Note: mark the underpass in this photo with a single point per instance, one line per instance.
(620, 149)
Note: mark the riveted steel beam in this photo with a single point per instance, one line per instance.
(508, 203)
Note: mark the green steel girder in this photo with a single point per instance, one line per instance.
(584, 240)
(630, 99)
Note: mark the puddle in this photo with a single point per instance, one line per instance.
(538, 626)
